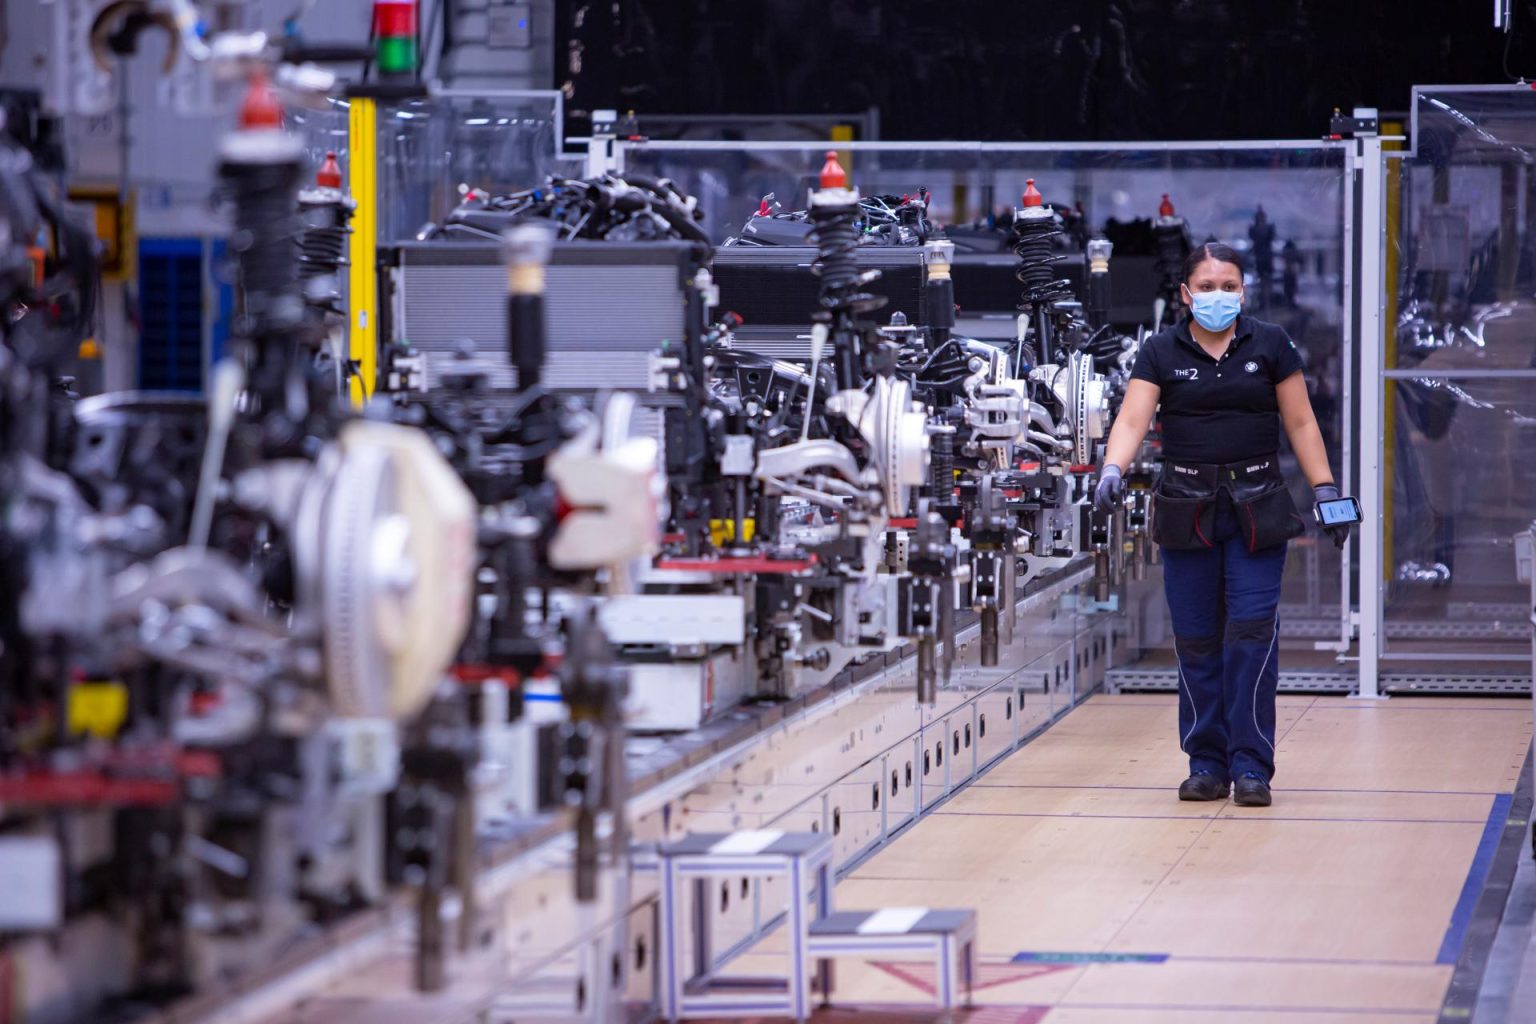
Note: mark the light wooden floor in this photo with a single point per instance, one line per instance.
(1104, 899)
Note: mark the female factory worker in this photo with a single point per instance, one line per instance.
(1222, 514)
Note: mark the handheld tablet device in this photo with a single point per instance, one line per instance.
(1337, 512)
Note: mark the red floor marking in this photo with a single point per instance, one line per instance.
(923, 975)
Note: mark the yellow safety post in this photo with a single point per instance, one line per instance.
(362, 279)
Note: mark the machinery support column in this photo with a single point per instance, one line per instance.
(1370, 169)
(362, 275)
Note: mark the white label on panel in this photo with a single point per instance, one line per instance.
(746, 842)
(893, 921)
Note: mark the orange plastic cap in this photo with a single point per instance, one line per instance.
(832, 173)
(260, 109)
(1031, 194)
(329, 175)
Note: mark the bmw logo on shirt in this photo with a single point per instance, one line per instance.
(1251, 366)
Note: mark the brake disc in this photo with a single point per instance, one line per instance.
(389, 555)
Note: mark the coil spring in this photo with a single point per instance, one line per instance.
(323, 246)
(941, 455)
(266, 221)
(322, 251)
(1035, 250)
(835, 231)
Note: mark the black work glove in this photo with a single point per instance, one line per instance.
(1339, 531)
(1110, 490)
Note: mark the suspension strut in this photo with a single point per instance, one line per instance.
(260, 165)
(1035, 230)
(326, 210)
(834, 215)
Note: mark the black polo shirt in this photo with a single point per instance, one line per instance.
(1219, 410)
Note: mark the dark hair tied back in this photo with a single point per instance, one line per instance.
(1218, 251)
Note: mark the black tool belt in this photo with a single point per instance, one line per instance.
(1184, 504)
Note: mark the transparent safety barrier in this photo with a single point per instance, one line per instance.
(1461, 378)
(324, 130)
(1295, 251)
(492, 141)
(1217, 190)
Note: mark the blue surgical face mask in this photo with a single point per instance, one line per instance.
(1215, 311)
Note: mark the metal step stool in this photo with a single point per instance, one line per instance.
(948, 935)
(803, 858)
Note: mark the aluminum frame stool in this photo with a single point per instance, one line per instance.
(804, 859)
(949, 936)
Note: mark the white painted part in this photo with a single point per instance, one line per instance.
(542, 711)
(896, 434)
(819, 334)
(615, 501)
(674, 619)
(704, 281)
(667, 696)
(600, 158)
(505, 782)
(750, 842)
(893, 921)
(1098, 407)
(739, 457)
(645, 574)
(31, 878)
(789, 461)
(365, 755)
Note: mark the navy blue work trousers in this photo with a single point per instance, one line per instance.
(1223, 603)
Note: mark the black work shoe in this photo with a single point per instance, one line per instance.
(1203, 786)
(1252, 790)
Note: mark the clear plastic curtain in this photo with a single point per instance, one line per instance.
(429, 148)
(1461, 389)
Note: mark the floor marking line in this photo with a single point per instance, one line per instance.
(1084, 959)
(1109, 817)
(1477, 876)
(1389, 706)
(1279, 961)
(1287, 789)
(1218, 817)
(1357, 821)
(1391, 1011)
